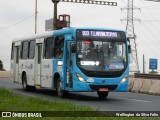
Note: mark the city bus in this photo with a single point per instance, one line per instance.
(72, 60)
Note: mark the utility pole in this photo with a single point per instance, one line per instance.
(143, 64)
(130, 32)
(55, 2)
(36, 16)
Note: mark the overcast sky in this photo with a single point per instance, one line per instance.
(17, 20)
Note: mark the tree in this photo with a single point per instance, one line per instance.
(1, 65)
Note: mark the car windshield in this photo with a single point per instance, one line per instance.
(102, 55)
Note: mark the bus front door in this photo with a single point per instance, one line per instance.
(69, 66)
(38, 64)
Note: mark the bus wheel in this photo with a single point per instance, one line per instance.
(60, 92)
(102, 95)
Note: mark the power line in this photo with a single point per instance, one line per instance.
(151, 35)
(150, 20)
(153, 31)
(154, 19)
(150, 6)
(24, 19)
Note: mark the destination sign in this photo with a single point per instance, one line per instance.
(100, 34)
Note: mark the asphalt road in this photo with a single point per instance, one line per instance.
(125, 101)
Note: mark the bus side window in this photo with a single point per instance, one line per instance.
(17, 55)
(31, 49)
(48, 53)
(12, 52)
(24, 49)
(44, 49)
(59, 47)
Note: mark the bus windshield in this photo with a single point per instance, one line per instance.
(101, 55)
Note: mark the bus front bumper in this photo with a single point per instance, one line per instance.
(91, 87)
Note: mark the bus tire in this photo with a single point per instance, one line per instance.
(102, 95)
(60, 92)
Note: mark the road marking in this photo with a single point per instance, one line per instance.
(134, 99)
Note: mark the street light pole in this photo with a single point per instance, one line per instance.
(55, 15)
(55, 2)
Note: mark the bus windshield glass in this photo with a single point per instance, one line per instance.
(101, 55)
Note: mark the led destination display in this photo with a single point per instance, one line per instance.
(100, 34)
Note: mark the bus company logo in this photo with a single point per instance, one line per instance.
(6, 114)
(47, 66)
(29, 67)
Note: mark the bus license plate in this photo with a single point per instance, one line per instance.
(103, 89)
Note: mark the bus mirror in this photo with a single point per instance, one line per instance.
(73, 48)
(129, 48)
(128, 39)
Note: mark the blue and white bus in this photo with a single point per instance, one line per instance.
(72, 59)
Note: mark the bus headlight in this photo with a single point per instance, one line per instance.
(80, 78)
(124, 79)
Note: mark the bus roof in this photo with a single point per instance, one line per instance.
(29, 37)
(58, 32)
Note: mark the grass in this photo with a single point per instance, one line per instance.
(11, 102)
